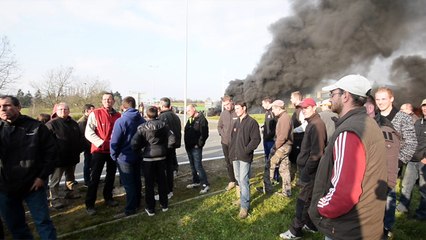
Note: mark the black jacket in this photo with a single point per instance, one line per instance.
(174, 124)
(27, 152)
(269, 126)
(152, 139)
(82, 122)
(69, 141)
(245, 138)
(196, 132)
(420, 127)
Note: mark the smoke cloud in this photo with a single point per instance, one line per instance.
(408, 73)
(326, 40)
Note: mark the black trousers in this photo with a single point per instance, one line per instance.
(171, 163)
(155, 172)
(229, 166)
(97, 165)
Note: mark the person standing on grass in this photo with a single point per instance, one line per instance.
(70, 145)
(268, 130)
(98, 132)
(128, 161)
(27, 157)
(416, 170)
(224, 127)
(173, 123)
(195, 136)
(311, 151)
(245, 138)
(349, 195)
(282, 148)
(152, 139)
(82, 122)
(403, 124)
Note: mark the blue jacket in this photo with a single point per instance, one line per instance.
(124, 129)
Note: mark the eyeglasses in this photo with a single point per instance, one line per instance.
(332, 94)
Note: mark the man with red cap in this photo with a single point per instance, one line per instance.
(311, 151)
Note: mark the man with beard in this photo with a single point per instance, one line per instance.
(349, 195)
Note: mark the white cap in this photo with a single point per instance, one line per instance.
(355, 84)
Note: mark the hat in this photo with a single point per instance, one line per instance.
(424, 102)
(278, 103)
(307, 102)
(355, 84)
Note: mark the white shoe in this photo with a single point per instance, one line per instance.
(157, 197)
(170, 195)
(205, 189)
(288, 235)
(192, 185)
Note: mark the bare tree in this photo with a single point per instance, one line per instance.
(56, 85)
(9, 71)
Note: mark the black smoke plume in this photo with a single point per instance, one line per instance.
(408, 73)
(326, 40)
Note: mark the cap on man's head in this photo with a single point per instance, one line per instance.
(307, 102)
(355, 84)
(278, 103)
(424, 102)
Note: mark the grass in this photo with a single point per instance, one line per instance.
(194, 216)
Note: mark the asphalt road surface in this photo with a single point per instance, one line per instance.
(211, 151)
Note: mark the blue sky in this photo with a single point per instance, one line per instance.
(139, 46)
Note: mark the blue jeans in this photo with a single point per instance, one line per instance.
(413, 171)
(242, 175)
(13, 214)
(195, 156)
(130, 176)
(267, 146)
(389, 219)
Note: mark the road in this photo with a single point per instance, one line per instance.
(211, 151)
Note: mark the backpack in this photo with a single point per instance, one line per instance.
(393, 146)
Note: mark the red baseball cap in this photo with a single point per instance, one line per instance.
(307, 102)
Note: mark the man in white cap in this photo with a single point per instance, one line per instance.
(349, 194)
(282, 148)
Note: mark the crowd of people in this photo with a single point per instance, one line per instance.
(345, 154)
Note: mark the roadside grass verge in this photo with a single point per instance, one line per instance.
(205, 217)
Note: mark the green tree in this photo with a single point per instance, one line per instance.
(27, 100)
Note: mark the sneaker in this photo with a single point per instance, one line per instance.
(401, 208)
(243, 213)
(284, 195)
(205, 189)
(165, 209)
(288, 235)
(230, 186)
(72, 196)
(157, 197)
(192, 185)
(262, 190)
(170, 195)
(308, 229)
(57, 205)
(150, 212)
(90, 211)
(111, 203)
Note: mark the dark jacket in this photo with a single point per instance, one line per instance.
(420, 127)
(365, 219)
(82, 123)
(122, 133)
(173, 122)
(196, 132)
(269, 126)
(225, 124)
(27, 152)
(312, 148)
(69, 141)
(245, 138)
(152, 139)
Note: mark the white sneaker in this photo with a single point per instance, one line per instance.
(157, 196)
(192, 185)
(205, 189)
(288, 235)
